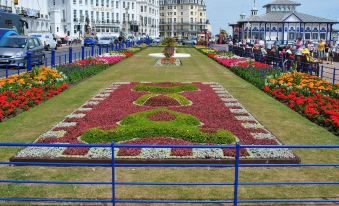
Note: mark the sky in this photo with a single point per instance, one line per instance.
(222, 12)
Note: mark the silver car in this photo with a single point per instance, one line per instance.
(13, 51)
(105, 41)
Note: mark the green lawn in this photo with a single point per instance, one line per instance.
(290, 127)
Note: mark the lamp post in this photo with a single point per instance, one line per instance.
(172, 22)
(127, 17)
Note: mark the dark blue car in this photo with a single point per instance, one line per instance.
(90, 41)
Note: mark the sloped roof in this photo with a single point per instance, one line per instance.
(282, 16)
(283, 2)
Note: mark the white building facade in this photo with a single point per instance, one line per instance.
(104, 17)
(34, 12)
(149, 18)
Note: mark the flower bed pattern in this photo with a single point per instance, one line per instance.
(214, 117)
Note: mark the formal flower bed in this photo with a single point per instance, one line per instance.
(212, 117)
(308, 95)
(19, 93)
(168, 62)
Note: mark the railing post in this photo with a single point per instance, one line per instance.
(236, 174)
(113, 174)
(70, 57)
(112, 47)
(29, 61)
(100, 50)
(92, 50)
(82, 52)
(53, 58)
(107, 48)
(322, 71)
(6, 71)
(334, 69)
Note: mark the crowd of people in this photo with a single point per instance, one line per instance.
(304, 56)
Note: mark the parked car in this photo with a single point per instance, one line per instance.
(90, 41)
(13, 51)
(157, 40)
(105, 41)
(47, 40)
(189, 41)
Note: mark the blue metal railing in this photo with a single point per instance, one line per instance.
(236, 183)
(67, 57)
(325, 72)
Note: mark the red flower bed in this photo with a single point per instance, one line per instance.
(247, 64)
(170, 60)
(13, 102)
(162, 116)
(319, 108)
(128, 54)
(161, 101)
(211, 55)
(229, 62)
(241, 62)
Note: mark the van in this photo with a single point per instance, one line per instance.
(47, 40)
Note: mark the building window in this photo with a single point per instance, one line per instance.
(307, 36)
(75, 15)
(315, 36)
(323, 36)
(291, 36)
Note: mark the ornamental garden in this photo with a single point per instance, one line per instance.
(210, 98)
(158, 113)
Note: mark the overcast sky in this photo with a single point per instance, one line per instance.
(222, 12)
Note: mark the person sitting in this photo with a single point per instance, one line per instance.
(309, 64)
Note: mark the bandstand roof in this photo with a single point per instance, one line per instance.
(283, 17)
(283, 2)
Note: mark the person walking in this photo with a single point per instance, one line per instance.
(321, 50)
(327, 49)
(332, 51)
